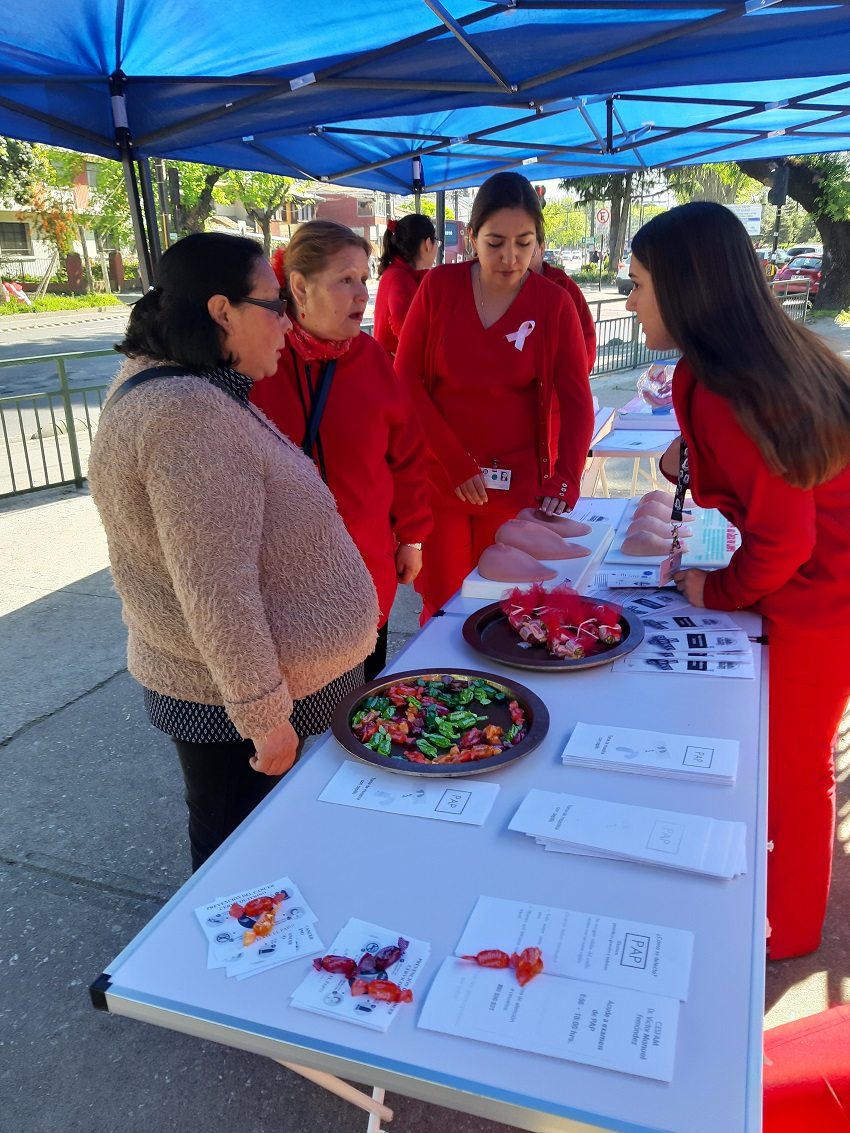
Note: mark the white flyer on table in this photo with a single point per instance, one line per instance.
(585, 946)
(603, 828)
(663, 753)
(741, 668)
(328, 993)
(373, 789)
(695, 641)
(274, 951)
(614, 1028)
(691, 618)
(642, 602)
(224, 933)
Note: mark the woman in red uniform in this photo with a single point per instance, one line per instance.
(764, 409)
(410, 248)
(365, 438)
(492, 355)
(559, 276)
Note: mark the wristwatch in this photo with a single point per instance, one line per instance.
(415, 546)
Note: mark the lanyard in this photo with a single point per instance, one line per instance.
(682, 482)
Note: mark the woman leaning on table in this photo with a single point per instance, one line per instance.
(494, 358)
(764, 409)
(248, 607)
(409, 251)
(365, 439)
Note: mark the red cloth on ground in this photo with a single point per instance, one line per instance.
(588, 327)
(373, 450)
(807, 1075)
(483, 402)
(396, 289)
(793, 566)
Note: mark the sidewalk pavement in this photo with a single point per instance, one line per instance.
(92, 843)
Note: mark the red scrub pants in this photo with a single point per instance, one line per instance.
(809, 689)
(453, 549)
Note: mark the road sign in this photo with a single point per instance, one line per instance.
(603, 218)
(749, 216)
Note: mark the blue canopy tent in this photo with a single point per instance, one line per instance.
(352, 93)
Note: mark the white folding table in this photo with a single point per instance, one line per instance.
(422, 878)
(630, 444)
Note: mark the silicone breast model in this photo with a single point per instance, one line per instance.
(500, 563)
(658, 511)
(653, 526)
(567, 528)
(645, 543)
(539, 541)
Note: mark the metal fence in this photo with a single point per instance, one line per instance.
(47, 435)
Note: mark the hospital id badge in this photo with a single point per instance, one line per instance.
(499, 479)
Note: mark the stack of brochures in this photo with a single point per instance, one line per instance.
(701, 759)
(710, 644)
(608, 995)
(233, 945)
(329, 993)
(573, 824)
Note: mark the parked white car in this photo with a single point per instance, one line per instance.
(624, 284)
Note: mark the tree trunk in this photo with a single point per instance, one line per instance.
(196, 217)
(621, 203)
(804, 186)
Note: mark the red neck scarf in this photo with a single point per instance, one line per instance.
(312, 349)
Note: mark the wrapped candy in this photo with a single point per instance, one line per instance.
(257, 916)
(528, 964)
(385, 991)
(521, 604)
(534, 631)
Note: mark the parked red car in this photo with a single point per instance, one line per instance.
(798, 272)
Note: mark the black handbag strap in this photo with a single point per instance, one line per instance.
(154, 372)
(317, 407)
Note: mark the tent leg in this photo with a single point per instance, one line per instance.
(145, 265)
(146, 184)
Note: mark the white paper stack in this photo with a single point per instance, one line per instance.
(292, 937)
(326, 993)
(573, 824)
(691, 650)
(585, 946)
(375, 789)
(633, 1032)
(697, 758)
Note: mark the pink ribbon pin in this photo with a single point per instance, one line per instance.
(519, 337)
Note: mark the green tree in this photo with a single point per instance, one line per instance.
(427, 207)
(201, 189)
(565, 223)
(725, 182)
(19, 170)
(618, 190)
(262, 194)
(821, 184)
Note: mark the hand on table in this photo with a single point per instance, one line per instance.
(276, 752)
(472, 490)
(552, 505)
(408, 563)
(691, 584)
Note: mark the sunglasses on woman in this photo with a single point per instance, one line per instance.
(276, 305)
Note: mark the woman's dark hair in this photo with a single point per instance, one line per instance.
(506, 191)
(171, 322)
(311, 247)
(405, 239)
(790, 392)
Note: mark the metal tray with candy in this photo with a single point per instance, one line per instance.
(460, 723)
(552, 631)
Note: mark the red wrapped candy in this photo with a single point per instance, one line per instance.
(528, 964)
(339, 965)
(385, 991)
(490, 958)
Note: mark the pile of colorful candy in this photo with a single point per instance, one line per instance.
(433, 720)
(571, 627)
(527, 964)
(367, 976)
(257, 916)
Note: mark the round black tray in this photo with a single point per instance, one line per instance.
(536, 715)
(488, 631)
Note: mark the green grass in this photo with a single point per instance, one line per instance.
(59, 303)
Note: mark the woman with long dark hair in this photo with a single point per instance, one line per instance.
(764, 409)
(495, 360)
(248, 608)
(409, 249)
(335, 394)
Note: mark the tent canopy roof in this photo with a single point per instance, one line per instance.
(350, 93)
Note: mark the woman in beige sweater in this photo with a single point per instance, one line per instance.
(249, 610)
